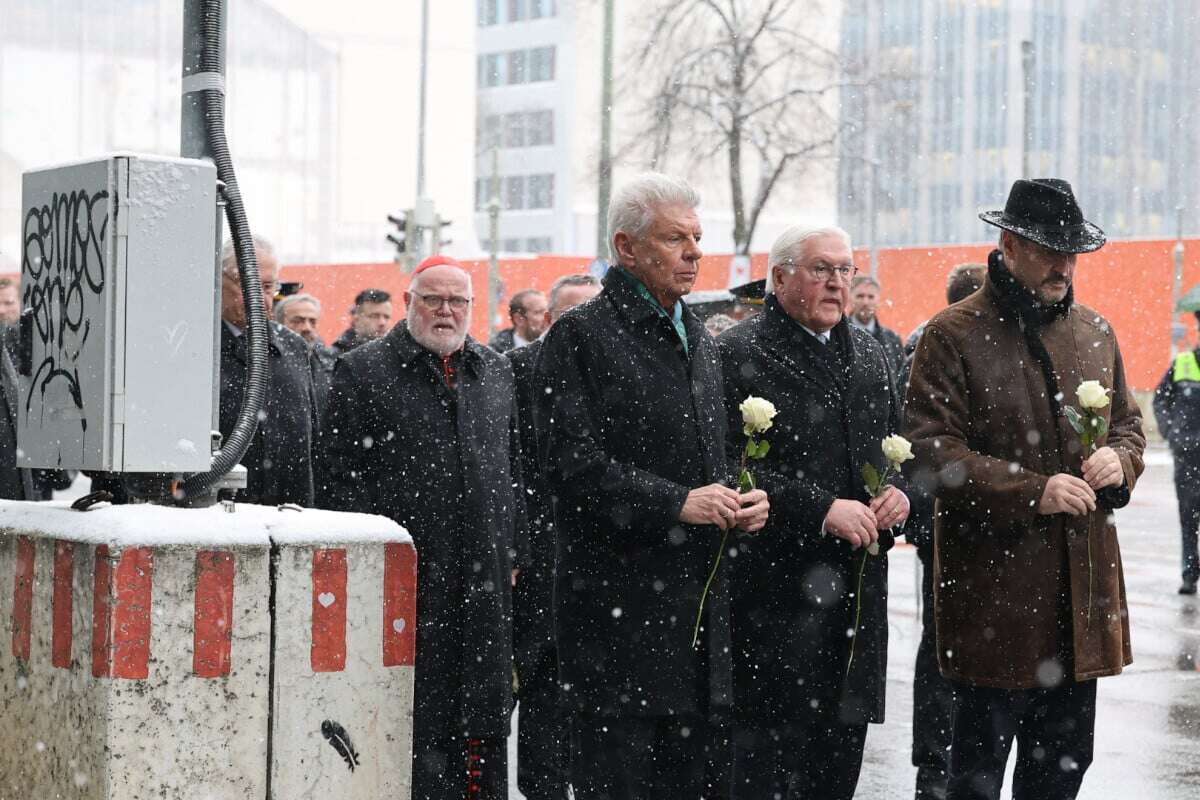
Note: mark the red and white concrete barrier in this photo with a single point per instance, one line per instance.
(137, 652)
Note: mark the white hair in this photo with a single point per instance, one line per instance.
(788, 249)
(282, 306)
(229, 254)
(632, 205)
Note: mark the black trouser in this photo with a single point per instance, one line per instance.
(933, 696)
(1187, 492)
(458, 768)
(543, 742)
(817, 758)
(1054, 731)
(638, 758)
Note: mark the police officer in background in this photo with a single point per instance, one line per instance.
(1177, 410)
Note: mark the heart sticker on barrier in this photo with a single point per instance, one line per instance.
(326, 599)
(398, 625)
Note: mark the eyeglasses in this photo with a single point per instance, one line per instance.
(823, 272)
(433, 302)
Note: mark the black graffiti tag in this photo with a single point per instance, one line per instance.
(62, 264)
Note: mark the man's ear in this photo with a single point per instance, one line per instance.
(623, 243)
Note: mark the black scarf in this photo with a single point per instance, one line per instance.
(1032, 316)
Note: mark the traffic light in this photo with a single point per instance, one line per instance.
(439, 225)
(400, 237)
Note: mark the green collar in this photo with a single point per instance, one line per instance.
(674, 316)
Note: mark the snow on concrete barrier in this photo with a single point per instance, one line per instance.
(136, 653)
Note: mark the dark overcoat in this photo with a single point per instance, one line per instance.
(794, 587)
(629, 422)
(533, 630)
(279, 460)
(442, 462)
(1018, 593)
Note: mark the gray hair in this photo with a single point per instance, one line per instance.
(632, 205)
(859, 280)
(291, 300)
(569, 280)
(229, 255)
(788, 249)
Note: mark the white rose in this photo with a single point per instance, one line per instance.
(1092, 394)
(897, 449)
(757, 414)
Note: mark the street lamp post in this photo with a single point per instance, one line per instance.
(493, 208)
(1178, 331)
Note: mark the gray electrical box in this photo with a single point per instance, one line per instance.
(119, 315)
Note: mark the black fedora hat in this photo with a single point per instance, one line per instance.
(1044, 210)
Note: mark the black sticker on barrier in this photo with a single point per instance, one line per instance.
(336, 735)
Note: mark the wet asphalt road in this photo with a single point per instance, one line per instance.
(1147, 719)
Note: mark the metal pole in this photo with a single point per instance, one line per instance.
(421, 113)
(873, 217)
(494, 231)
(193, 143)
(1178, 331)
(606, 99)
(1027, 123)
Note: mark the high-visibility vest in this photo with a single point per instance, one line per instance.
(1186, 368)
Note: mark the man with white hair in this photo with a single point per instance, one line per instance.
(424, 430)
(279, 460)
(810, 591)
(301, 313)
(631, 428)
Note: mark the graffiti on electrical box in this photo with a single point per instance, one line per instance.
(62, 272)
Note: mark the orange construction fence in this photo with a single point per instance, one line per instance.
(1129, 282)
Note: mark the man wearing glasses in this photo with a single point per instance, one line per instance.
(424, 431)
(810, 640)
(279, 460)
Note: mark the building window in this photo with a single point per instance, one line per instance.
(489, 131)
(541, 191)
(539, 244)
(498, 12)
(514, 130)
(541, 64)
(488, 12)
(539, 9)
(514, 192)
(491, 70)
(517, 72)
(516, 67)
(510, 245)
(539, 128)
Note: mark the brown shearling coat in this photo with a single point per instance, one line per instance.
(1011, 587)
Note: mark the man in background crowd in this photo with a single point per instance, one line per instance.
(370, 319)
(864, 307)
(542, 735)
(527, 310)
(932, 694)
(301, 314)
(1177, 411)
(279, 460)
